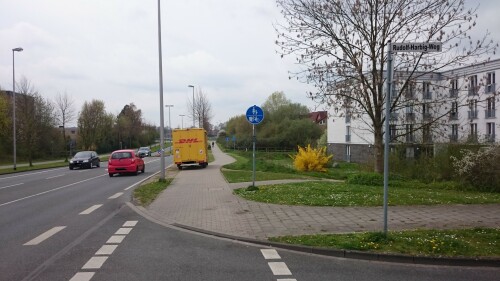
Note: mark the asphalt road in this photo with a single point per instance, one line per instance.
(76, 225)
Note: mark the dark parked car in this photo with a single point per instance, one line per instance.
(125, 161)
(144, 151)
(85, 159)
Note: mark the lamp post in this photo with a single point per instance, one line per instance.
(191, 86)
(18, 49)
(162, 127)
(182, 120)
(169, 123)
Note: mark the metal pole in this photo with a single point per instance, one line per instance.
(253, 157)
(191, 86)
(386, 134)
(18, 49)
(162, 138)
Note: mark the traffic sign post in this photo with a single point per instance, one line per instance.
(254, 115)
(397, 47)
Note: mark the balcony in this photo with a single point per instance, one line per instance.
(427, 116)
(394, 116)
(473, 91)
(489, 113)
(427, 95)
(347, 138)
(453, 115)
(410, 138)
(453, 93)
(453, 138)
(472, 114)
(490, 89)
(489, 137)
(410, 117)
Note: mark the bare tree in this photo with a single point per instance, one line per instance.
(342, 47)
(65, 115)
(202, 109)
(34, 119)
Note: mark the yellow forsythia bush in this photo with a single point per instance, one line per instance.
(311, 159)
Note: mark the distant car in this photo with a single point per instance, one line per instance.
(125, 161)
(85, 159)
(144, 151)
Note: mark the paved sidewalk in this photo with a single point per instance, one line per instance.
(201, 198)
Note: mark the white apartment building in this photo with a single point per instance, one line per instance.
(453, 106)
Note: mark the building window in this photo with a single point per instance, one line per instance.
(473, 132)
(454, 111)
(409, 133)
(393, 132)
(454, 133)
(473, 85)
(473, 109)
(454, 88)
(348, 133)
(427, 135)
(490, 132)
(490, 109)
(490, 82)
(426, 111)
(426, 90)
(410, 90)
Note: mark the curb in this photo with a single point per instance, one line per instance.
(348, 254)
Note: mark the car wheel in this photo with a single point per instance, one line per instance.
(71, 168)
(136, 171)
(98, 164)
(110, 175)
(90, 165)
(143, 168)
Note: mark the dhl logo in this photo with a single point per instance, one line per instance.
(193, 140)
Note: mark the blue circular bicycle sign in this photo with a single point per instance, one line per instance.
(255, 115)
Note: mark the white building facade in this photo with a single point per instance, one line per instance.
(454, 106)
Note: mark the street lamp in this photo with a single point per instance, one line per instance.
(182, 120)
(18, 49)
(191, 86)
(169, 123)
(160, 67)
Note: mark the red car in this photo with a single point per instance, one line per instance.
(125, 161)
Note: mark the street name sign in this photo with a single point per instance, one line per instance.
(417, 47)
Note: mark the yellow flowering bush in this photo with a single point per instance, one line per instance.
(311, 159)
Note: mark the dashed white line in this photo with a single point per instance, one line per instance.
(123, 231)
(116, 239)
(279, 268)
(54, 177)
(44, 236)
(95, 263)
(82, 276)
(130, 223)
(270, 254)
(106, 250)
(11, 185)
(287, 280)
(116, 195)
(91, 209)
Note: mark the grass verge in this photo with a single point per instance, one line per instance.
(325, 193)
(147, 193)
(35, 167)
(471, 243)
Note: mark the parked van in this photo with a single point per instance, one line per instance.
(189, 147)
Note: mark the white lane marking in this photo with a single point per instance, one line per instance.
(54, 177)
(91, 209)
(279, 268)
(51, 190)
(11, 185)
(82, 276)
(95, 263)
(116, 195)
(123, 231)
(35, 173)
(287, 280)
(270, 254)
(106, 250)
(115, 239)
(130, 223)
(44, 236)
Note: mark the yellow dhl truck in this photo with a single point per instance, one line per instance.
(189, 147)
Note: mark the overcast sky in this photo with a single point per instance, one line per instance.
(108, 50)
